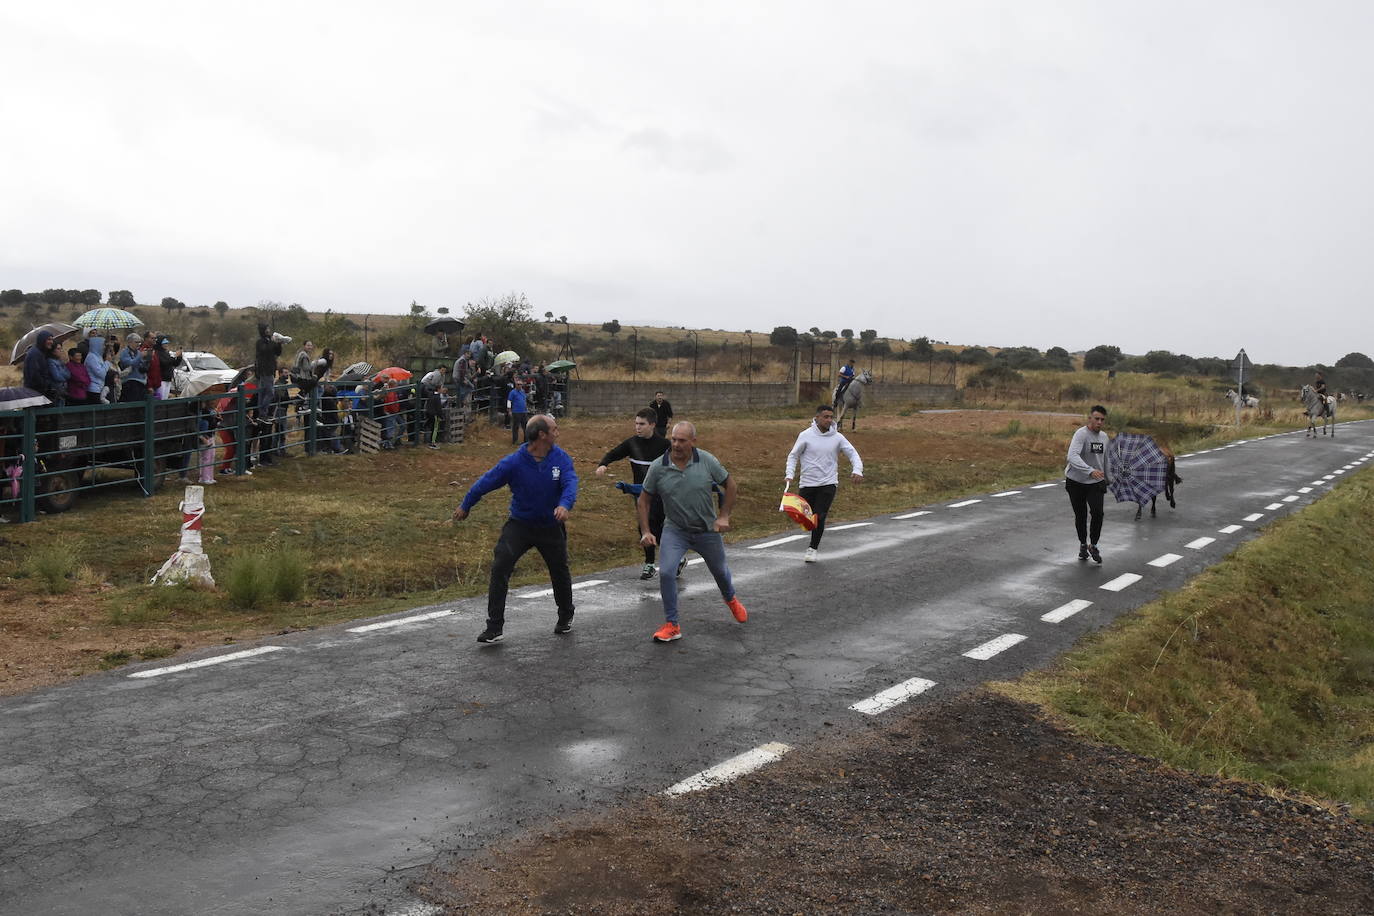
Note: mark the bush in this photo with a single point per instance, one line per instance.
(286, 568)
(54, 567)
(1075, 393)
(248, 582)
(994, 376)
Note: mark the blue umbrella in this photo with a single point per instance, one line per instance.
(1137, 468)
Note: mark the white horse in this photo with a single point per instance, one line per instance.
(1236, 399)
(853, 396)
(1317, 406)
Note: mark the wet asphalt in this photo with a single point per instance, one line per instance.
(324, 776)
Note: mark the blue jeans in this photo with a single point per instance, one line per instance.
(673, 547)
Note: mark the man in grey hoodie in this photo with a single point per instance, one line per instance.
(818, 450)
(1085, 479)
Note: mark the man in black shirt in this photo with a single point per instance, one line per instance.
(664, 411)
(643, 448)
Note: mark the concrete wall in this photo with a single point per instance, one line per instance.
(589, 397)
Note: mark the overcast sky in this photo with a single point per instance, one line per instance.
(1184, 176)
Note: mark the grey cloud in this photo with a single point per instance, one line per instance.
(692, 152)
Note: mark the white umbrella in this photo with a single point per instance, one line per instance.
(507, 356)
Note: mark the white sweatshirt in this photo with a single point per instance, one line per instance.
(820, 457)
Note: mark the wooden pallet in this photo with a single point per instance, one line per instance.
(456, 420)
(369, 435)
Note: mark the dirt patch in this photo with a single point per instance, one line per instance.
(976, 805)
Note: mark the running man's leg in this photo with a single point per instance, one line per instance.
(1093, 497)
(673, 547)
(655, 526)
(1078, 498)
(819, 499)
(510, 547)
(552, 544)
(711, 546)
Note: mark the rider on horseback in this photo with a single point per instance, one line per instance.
(1319, 386)
(846, 376)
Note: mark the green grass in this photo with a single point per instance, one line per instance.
(54, 567)
(1262, 668)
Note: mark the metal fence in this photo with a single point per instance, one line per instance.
(50, 456)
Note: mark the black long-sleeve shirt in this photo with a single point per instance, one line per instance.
(641, 451)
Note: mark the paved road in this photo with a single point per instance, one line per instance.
(322, 774)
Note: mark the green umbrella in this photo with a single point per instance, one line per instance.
(561, 365)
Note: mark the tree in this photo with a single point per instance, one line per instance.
(1058, 358)
(868, 336)
(89, 297)
(783, 336)
(120, 299)
(509, 320)
(1021, 357)
(442, 310)
(171, 305)
(221, 307)
(814, 332)
(548, 316)
(1103, 356)
(921, 348)
(847, 333)
(11, 297)
(828, 335)
(975, 356)
(612, 327)
(56, 296)
(1355, 361)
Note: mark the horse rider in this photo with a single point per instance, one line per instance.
(846, 376)
(1319, 386)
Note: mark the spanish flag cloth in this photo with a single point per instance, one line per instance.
(798, 510)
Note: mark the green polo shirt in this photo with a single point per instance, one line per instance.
(688, 502)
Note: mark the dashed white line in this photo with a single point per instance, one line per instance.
(206, 662)
(1329, 477)
(850, 525)
(385, 624)
(1065, 611)
(1199, 543)
(892, 696)
(967, 502)
(1006, 493)
(1165, 560)
(787, 540)
(1338, 471)
(730, 769)
(1125, 580)
(1041, 486)
(1229, 529)
(1304, 489)
(1253, 517)
(1317, 483)
(1290, 499)
(1272, 506)
(994, 646)
(912, 515)
(576, 585)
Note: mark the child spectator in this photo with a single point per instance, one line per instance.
(434, 413)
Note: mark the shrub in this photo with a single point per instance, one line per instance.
(1075, 393)
(54, 567)
(994, 376)
(286, 569)
(248, 581)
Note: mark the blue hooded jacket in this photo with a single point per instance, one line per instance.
(536, 487)
(36, 374)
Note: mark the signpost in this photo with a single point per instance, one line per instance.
(1241, 363)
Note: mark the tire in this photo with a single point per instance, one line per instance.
(56, 502)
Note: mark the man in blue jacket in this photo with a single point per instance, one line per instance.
(543, 488)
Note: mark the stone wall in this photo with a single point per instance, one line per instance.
(887, 394)
(596, 397)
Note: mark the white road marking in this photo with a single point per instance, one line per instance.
(385, 624)
(892, 696)
(967, 502)
(1290, 499)
(787, 540)
(1125, 580)
(1338, 472)
(416, 909)
(1199, 543)
(1041, 486)
(206, 662)
(1329, 477)
(1304, 489)
(994, 646)
(1162, 561)
(1317, 483)
(1189, 455)
(912, 514)
(1229, 529)
(576, 585)
(850, 525)
(1272, 506)
(1253, 517)
(730, 769)
(1007, 493)
(1065, 611)
(692, 562)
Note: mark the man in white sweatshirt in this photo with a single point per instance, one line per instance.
(818, 449)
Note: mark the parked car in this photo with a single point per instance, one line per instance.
(201, 365)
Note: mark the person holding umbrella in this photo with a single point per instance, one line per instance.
(543, 488)
(1085, 479)
(38, 375)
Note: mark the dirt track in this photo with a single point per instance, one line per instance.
(975, 805)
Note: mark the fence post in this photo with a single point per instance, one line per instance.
(149, 450)
(417, 408)
(314, 402)
(241, 432)
(28, 485)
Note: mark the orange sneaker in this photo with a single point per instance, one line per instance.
(737, 609)
(668, 632)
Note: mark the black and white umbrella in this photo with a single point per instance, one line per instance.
(19, 398)
(357, 372)
(444, 325)
(59, 330)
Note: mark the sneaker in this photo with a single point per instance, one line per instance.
(1097, 557)
(1082, 551)
(681, 565)
(810, 555)
(647, 572)
(433, 446)
(737, 609)
(490, 636)
(667, 633)
(564, 625)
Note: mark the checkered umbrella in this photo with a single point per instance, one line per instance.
(1137, 468)
(107, 319)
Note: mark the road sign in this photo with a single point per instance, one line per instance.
(1242, 361)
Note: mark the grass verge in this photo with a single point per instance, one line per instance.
(1261, 668)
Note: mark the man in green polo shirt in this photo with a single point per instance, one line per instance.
(684, 479)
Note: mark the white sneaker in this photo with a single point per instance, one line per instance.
(810, 555)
